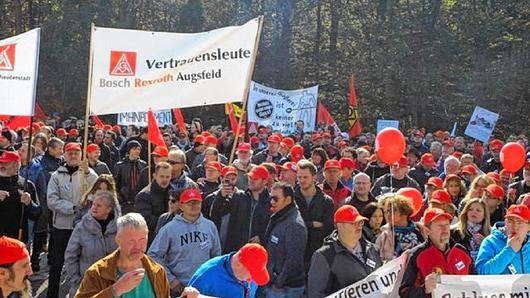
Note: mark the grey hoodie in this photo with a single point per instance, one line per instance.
(181, 247)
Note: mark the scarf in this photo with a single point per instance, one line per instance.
(474, 242)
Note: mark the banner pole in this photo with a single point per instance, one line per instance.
(28, 157)
(149, 159)
(87, 109)
(247, 89)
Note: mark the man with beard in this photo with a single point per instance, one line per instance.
(270, 154)
(105, 156)
(110, 139)
(242, 164)
(15, 268)
(15, 197)
(128, 270)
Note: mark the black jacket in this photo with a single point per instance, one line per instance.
(49, 164)
(11, 207)
(421, 175)
(392, 184)
(248, 218)
(261, 157)
(375, 171)
(320, 209)
(285, 240)
(491, 165)
(123, 172)
(151, 202)
(334, 267)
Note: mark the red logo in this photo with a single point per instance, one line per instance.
(122, 63)
(7, 57)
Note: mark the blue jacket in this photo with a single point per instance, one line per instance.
(216, 278)
(495, 256)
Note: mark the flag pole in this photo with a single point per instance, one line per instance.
(247, 89)
(28, 157)
(88, 100)
(148, 159)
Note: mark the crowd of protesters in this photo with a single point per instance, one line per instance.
(293, 215)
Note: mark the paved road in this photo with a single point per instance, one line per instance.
(39, 280)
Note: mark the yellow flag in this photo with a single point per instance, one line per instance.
(237, 109)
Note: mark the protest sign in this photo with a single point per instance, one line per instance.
(19, 63)
(384, 282)
(280, 109)
(163, 117)
(481, 124)
(135, 70)
(486, 286)
(382, 124)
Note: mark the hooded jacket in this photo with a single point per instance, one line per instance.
(495, 256)
(285, 240)
(334, 267)
(87, 244)
(182, 246)
(64, 193)
(122, 175)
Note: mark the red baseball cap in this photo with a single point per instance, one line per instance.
(428, 160)
(527, 165)
(228, 170)
(254, 258)
(243, 147)
(347, 162)
(288, 142)
(432, 214)
(290, 166)
(60, 132)
(332, 164)
(210, 140)
(10, 156)
(297, 153)
(190, 194)
(458, 154)
(214, 165)
(342, 144)
(469, 169)
(92, 147)
(441, 196)
(259, 172)
(199, 139)
(436, 182)
(274, 139)
(495, 191)
(254, 140)
(73, 132)
(449, 143)
(11, 250)
(316, 137)
(506, 173)
(72, 147)
(452, 177)
(495, 176)
(348, 213)
(116, 128)
(107, 127)
(160, 151)
(496, 145)
(518, 211)
(403, 162)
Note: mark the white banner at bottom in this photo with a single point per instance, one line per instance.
(384, 282)
(486, 286)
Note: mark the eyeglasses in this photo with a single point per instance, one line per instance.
(174, 162)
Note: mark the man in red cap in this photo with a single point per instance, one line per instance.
(243, 164)
(506, 249)
(236, 274)
(288, 173)
(197, 149)
(93, 154)
(468, 173)
(61, 134)
(65, 189)
(15, 268)
(15, 198)
(249, 214)
(418, 143)
(424, 170)
(494, 198)
(332, 185)
(344, 258)
(210, 142)
(397, 179)
(227, 190)
(347, 170)
(271, 153)
(159, 154)
(211, 180)
(437, 255)
(492, 161)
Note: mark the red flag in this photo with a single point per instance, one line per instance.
(180, 119)
(99, 123)
(153, 132)
(19, 121)
(232, 118)
(39, 113)
(324, 117)
(353, 113)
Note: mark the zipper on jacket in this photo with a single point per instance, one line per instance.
(252, 209)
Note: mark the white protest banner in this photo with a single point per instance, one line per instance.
(135, 70)
(19, 65)
(280, 109)
(481, 124)
(486, 286)
(384, 282)
(163, 117)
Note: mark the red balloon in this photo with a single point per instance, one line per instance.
(390, 145)
(415, 196)
(512, 157)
